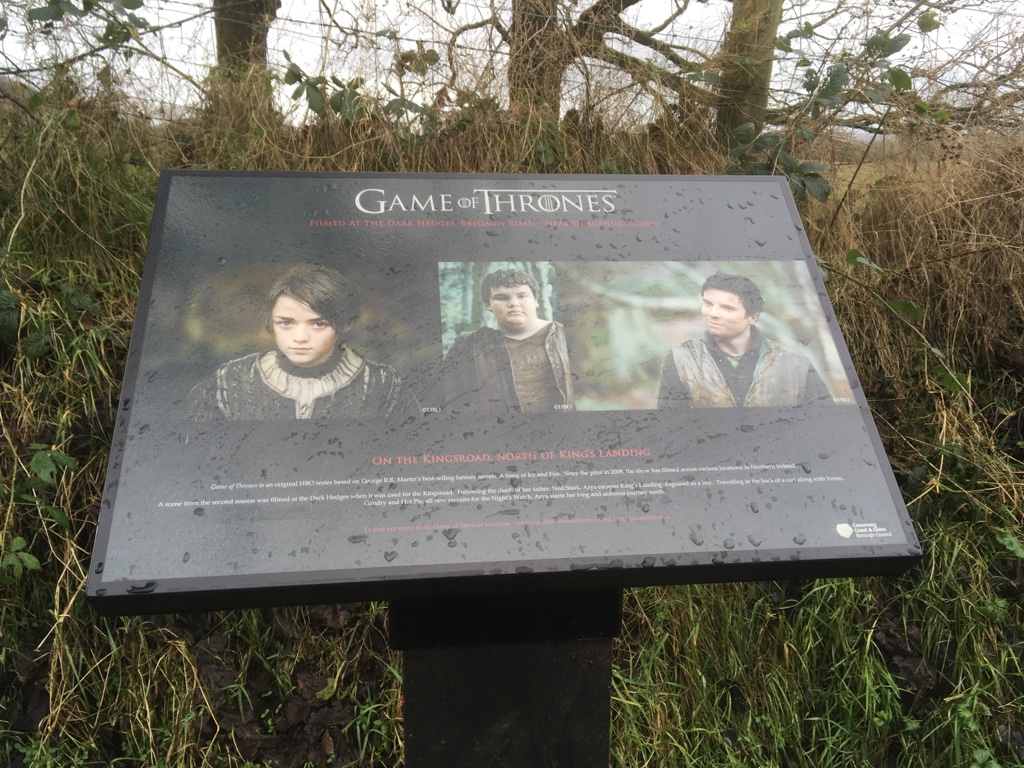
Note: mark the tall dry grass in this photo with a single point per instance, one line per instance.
(922, 671)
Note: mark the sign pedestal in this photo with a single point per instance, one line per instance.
(507, 681)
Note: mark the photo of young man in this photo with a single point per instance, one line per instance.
(311, 372)
(733, 364)
(522, 365)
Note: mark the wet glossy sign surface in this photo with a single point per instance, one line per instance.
(348, 386)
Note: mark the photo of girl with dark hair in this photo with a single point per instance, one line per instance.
(311, 372)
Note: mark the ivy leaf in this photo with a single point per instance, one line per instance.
(927, 22)
(1011, 542)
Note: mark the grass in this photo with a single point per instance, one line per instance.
(922, 670)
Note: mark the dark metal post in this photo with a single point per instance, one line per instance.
(507, 681)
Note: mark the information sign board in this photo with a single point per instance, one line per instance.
(349, 386)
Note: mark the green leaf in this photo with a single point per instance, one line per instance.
(395, 107)
(927, 22)
(50, 12)
(836, 79)
(19, 543)
(58, 516)
(811, 79)
(881, 46)
(61, 459)
(43, 467)
(10, 316)
(299, 90)
(806, 31)
(787, 162)
(73, 9)
(920, 108)
(879, 94)
(546, 152)
(805, 132)
(13, 564)
(315, 99)
(950, 381)
(897, 44)
(909, 308)
(998, 611)
(35, 345)
(28, 560)
(348, 103)
(114, 34)
(744, 133)
(811, 167)
(900, 80)
(293, 74)
(854, 256)
(1011, 542)
(817, 187)
(941, 116)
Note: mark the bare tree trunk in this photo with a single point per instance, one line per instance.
(537, 58)
(241, 27)
(749, 54)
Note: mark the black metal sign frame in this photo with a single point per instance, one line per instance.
(320, 405)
